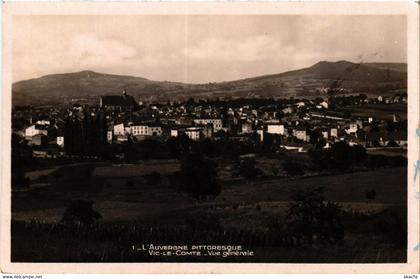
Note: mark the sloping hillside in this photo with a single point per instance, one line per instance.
(88, 85)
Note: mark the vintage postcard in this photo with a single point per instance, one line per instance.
(210, 137)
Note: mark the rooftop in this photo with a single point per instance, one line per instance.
(116, 100)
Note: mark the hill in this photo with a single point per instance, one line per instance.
(87, 86)
(400, 67)
(342, 74)
(81, 85)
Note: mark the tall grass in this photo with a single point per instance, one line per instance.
(50, 242)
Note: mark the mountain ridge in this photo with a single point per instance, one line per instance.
(90, 84)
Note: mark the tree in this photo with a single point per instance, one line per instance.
(173, 146)
(362, 97)
(275, 170)
(341, 156)
(149, 149)
(248, 170)
(22, 159)
(206, 147)
(271, 142)
(358, 154)
(80, 212)
(309, 216)
(292, 168)
(317, 139)
(197, 177)
(392, 144)
(185, 143)
(227, 149)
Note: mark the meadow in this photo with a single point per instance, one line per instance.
(379, 111)
(243, 213)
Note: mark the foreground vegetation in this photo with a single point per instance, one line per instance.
(336, 205)
(367, 238)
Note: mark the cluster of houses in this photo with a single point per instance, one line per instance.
(295, 122)
(199, 128)
(42, 132)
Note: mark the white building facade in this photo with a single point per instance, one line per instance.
(216, 122)
(36, 130)
(60, 141)
(275, 129)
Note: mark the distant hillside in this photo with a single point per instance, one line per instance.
(350, 74)
(87, 86)
(310, 81)
(400, 67)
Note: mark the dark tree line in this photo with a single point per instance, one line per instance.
(179, 147)
(342, 157)
(86, 136)
(22, 159)
(310, 217)
(197, 177)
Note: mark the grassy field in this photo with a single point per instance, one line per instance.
(132, 194)
(135, 199)
(379, 111)
(387, 151)
(126, 199)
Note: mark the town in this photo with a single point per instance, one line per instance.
(228, 170)
(293, 125)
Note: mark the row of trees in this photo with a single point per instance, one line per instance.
(342, 157)
(85, 136)
(22, 160)
(178, 147)
(197, 177)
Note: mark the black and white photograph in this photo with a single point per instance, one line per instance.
(209, 138)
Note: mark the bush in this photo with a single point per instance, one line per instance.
(197, 177)
(278, 234)
(393, 223)
(358, 154)
(293, 168)
(392, 144)
(341, 155)
(153, 178)
(310, 217)
(248, 170)
(275, 171)
(80, 212)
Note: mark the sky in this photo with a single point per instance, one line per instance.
(200, 48)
